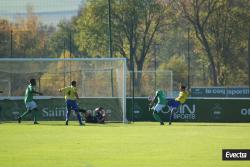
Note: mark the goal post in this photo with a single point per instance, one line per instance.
(100, 81)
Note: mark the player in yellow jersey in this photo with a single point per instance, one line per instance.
(71, 96)
(174, 104)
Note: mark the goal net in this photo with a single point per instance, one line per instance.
(100, 82)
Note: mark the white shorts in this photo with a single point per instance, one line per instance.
(158, 107)
(31, 105)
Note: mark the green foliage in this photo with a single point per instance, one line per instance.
(5, 30)
(178, 65)
(134, 25)
(63, 40)
(219, 26)
(218, 36)
(92, 28)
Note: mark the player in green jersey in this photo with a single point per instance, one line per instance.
(30, 104)
(160, 100)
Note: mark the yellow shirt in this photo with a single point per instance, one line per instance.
(183, 95)
(70, 92)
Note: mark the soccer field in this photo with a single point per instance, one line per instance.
(140, 144)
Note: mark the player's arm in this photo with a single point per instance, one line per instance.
(35, 92)
(61, 89)
(153, 101)
(76, 94)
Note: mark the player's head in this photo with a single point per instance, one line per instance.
(98, 109)
(159, 92)
(182, 87)
(73, 83)
(33, 82)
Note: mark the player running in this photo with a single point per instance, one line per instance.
(160, 100)
(30, 104)
(175, 103)
(71, 96)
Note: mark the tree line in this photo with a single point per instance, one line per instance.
(206, 41)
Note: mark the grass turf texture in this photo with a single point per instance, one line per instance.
(144, 144)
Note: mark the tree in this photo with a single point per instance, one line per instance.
(228, 32)
(178, 66)
(135, 25)
(63, 39)
(5, 38)
(198, 12)
(30, 36)
(219, 27)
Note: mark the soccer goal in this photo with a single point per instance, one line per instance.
(100, 82)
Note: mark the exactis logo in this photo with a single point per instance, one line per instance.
(236, 155)
(185, 112)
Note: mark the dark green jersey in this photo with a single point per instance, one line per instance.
(161, 97)
(29, 94)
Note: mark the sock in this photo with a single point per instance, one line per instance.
(68, 113)
(157, 117)
(25, 113)
(35, 115)
(79, 117)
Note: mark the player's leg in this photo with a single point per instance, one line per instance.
(68, 111)
(35, 112)
(101, 120)
(156, 113)
(173, 105)
(19, 119)
(171, 115)
(75, 108)
(29, 106)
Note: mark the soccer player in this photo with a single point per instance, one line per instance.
(174, 104)
(71, 96)
(30, 104)
(99, 117)
(160, 97)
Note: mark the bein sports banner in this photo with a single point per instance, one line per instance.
(196, 110)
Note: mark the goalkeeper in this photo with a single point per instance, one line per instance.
(98, 117)
(160, 100)
(70, 96)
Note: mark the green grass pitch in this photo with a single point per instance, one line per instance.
(140, 144)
